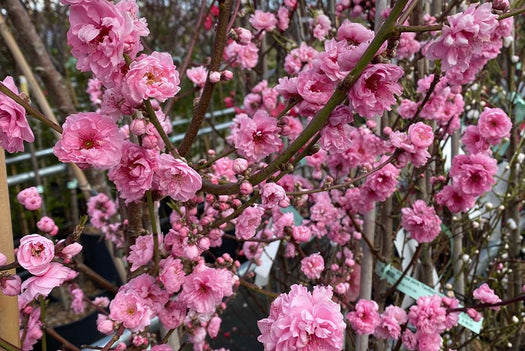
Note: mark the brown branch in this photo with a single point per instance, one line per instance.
(207, 92)
(103, 282)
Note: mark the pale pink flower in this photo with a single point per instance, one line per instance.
(197, 75)
(95, 91)
(291, 4)
(407, 109)
(151, 76)
(47, 225)
(104, 324)
(14, 128)
(141, 252)
(428, 341)
(390, 324)
(10, 285)
(494, 124)
(248, 222)
(244, 55)
(35, 253)
(90, 139)
(273, 195)
(130, 309)
(421, 221)
(258, 137)
(173, 314)
(261, 20)
(33, 331)
(213, 326)
(365, 318)
(134, 174)
(299, 58)
(42, 285)
(320, 26)
(3, 259)
(374, 91)
(312, 266)
(354, 33)
(100, 208)
(204, 289)
(30, 198)
(283, 18)
(69, 251)
(171, 274)
(303, 320)
(242, 35)
(485, 294)
(78, 304)
(408, 45)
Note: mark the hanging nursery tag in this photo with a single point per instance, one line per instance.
(416, 289)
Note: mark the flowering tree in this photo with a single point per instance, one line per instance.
(341, 162)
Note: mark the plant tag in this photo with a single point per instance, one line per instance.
(415, 289)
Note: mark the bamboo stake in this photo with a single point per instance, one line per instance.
(8, 304)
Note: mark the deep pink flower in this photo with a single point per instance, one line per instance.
(258, 137)
(320, 26)
(35, 253)
(78, 304)
(283, 18)
(173, 314)
(303, 320)
(261, 20)
(30, 198)
(421, 221)
(47, 225)
(474, 141)
(354, 33)
(390, 324)
(176, 179)
(33, 332)
(90, 139)
(97, 34)
(473, 174)
(273, 195)
(312, 266)
(299, 58)
(14, 128)
(204, 289)
(100, 208)
(454, 199)
(163, 347)
(374, 91)
(244, 55)
(382, 183)
(151, 76)
(421, 135)
(494, 124)
(134, 174)
(315, 87)
(428, 341)
(365, 318)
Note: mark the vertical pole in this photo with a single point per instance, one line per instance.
(8, 304)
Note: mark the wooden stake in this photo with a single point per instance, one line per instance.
(9, 329)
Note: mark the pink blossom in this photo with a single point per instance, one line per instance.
(428, 341)
(151, 76)
(485, 294)
(312, 266)
(33, 331)
(273, 195)
(171, 274)
(69, 251)
(90, 139)
(141, 252)
(130, 309)
(382, 183)
(390, 324)
(35, 253)
(134, 174)
(261, 20)
(373, 93)
(301, 233)
(163, 347)
(96, 36)
(197, 75)
(473, 174)
(315, 87)
(408, 45)
(248, 222)
(463, 37)
(407, 109)
(77, 302)
(30, 198)
(14, 128)
(242, 35)
(421, 221)
(258, 137)
(3, 259)
(283, 18)
(239, 165)
(428, 315)
(454, 199)
(303, 320)
(204, 289)
(101, 301)
(354, 33)
(42, 285)
(244, 55)
(176, 179)
(47, 225)
(365, 318)
(10, 285)
(299, 58)
(320, 26)
(100, 209)
(474, 141)
(409, 339)
(421, 135)
(172, 315)
(494, 124)
(213, 326)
